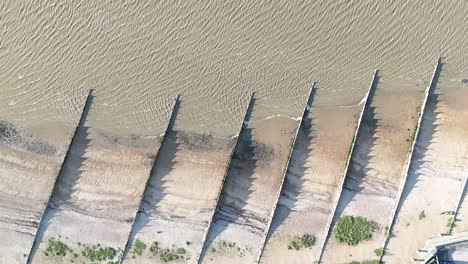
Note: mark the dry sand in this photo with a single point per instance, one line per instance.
(98, 192)
(377, 166)
(181, 196)
(250, 191)
(29, 166)
(312, 183)
(437, 170)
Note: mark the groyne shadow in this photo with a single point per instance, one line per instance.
(297, 169)
(426, 137)
(70, 172)
(237, 186)
(362, 157)
(421, 153)
(155, 190)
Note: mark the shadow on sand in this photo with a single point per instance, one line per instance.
(237, 187)
(294, 180)
(155, 191)
(68, 176)
(421, 153)
(361, 158)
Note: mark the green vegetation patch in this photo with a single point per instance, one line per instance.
(302, 242)
(387, 231)
(379, 252)
(422, 215)
(450, 223)
(166, 254)
(225, 247)
(97, 253)
(154, 248)
(353, 230)
(139, 247)
(56, 247)
(374, 261)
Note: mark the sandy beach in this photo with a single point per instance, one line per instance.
(97, 194)
(250, 191)
(27, 179)
(377, 166)
(437, 170)
(29, 166)
(181, 196)
(312, 183)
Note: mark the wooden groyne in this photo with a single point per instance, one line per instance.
(244, 124)
(460, 198)
(307, 108)
(367, 102)
(170, 126)
(428, 92)
(39, 231)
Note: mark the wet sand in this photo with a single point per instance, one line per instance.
(437, 170)
(28, 169)
(377, 166)
(98, 192)
(250, 191)
(181, 195)
(312, 183)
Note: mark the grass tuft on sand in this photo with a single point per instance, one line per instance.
(166, 254)
(97, 253)
(374, 261)
(302, 242)
(422, 215)
(139, 247)
(56, 248)
(379, 252)
(353, 230)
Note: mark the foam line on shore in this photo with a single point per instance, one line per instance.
(429, 91)
(280, 115)
(307, 108)
(84, 114)
(170, 125)
(348, 162)
(244, 123)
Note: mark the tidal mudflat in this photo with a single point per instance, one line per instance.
(29, 166)
(312, 184)
(251, 190)
(96, 196)
(378, 165)
(437, 172)
(181, 197)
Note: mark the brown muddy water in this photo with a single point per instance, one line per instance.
(138, 54)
